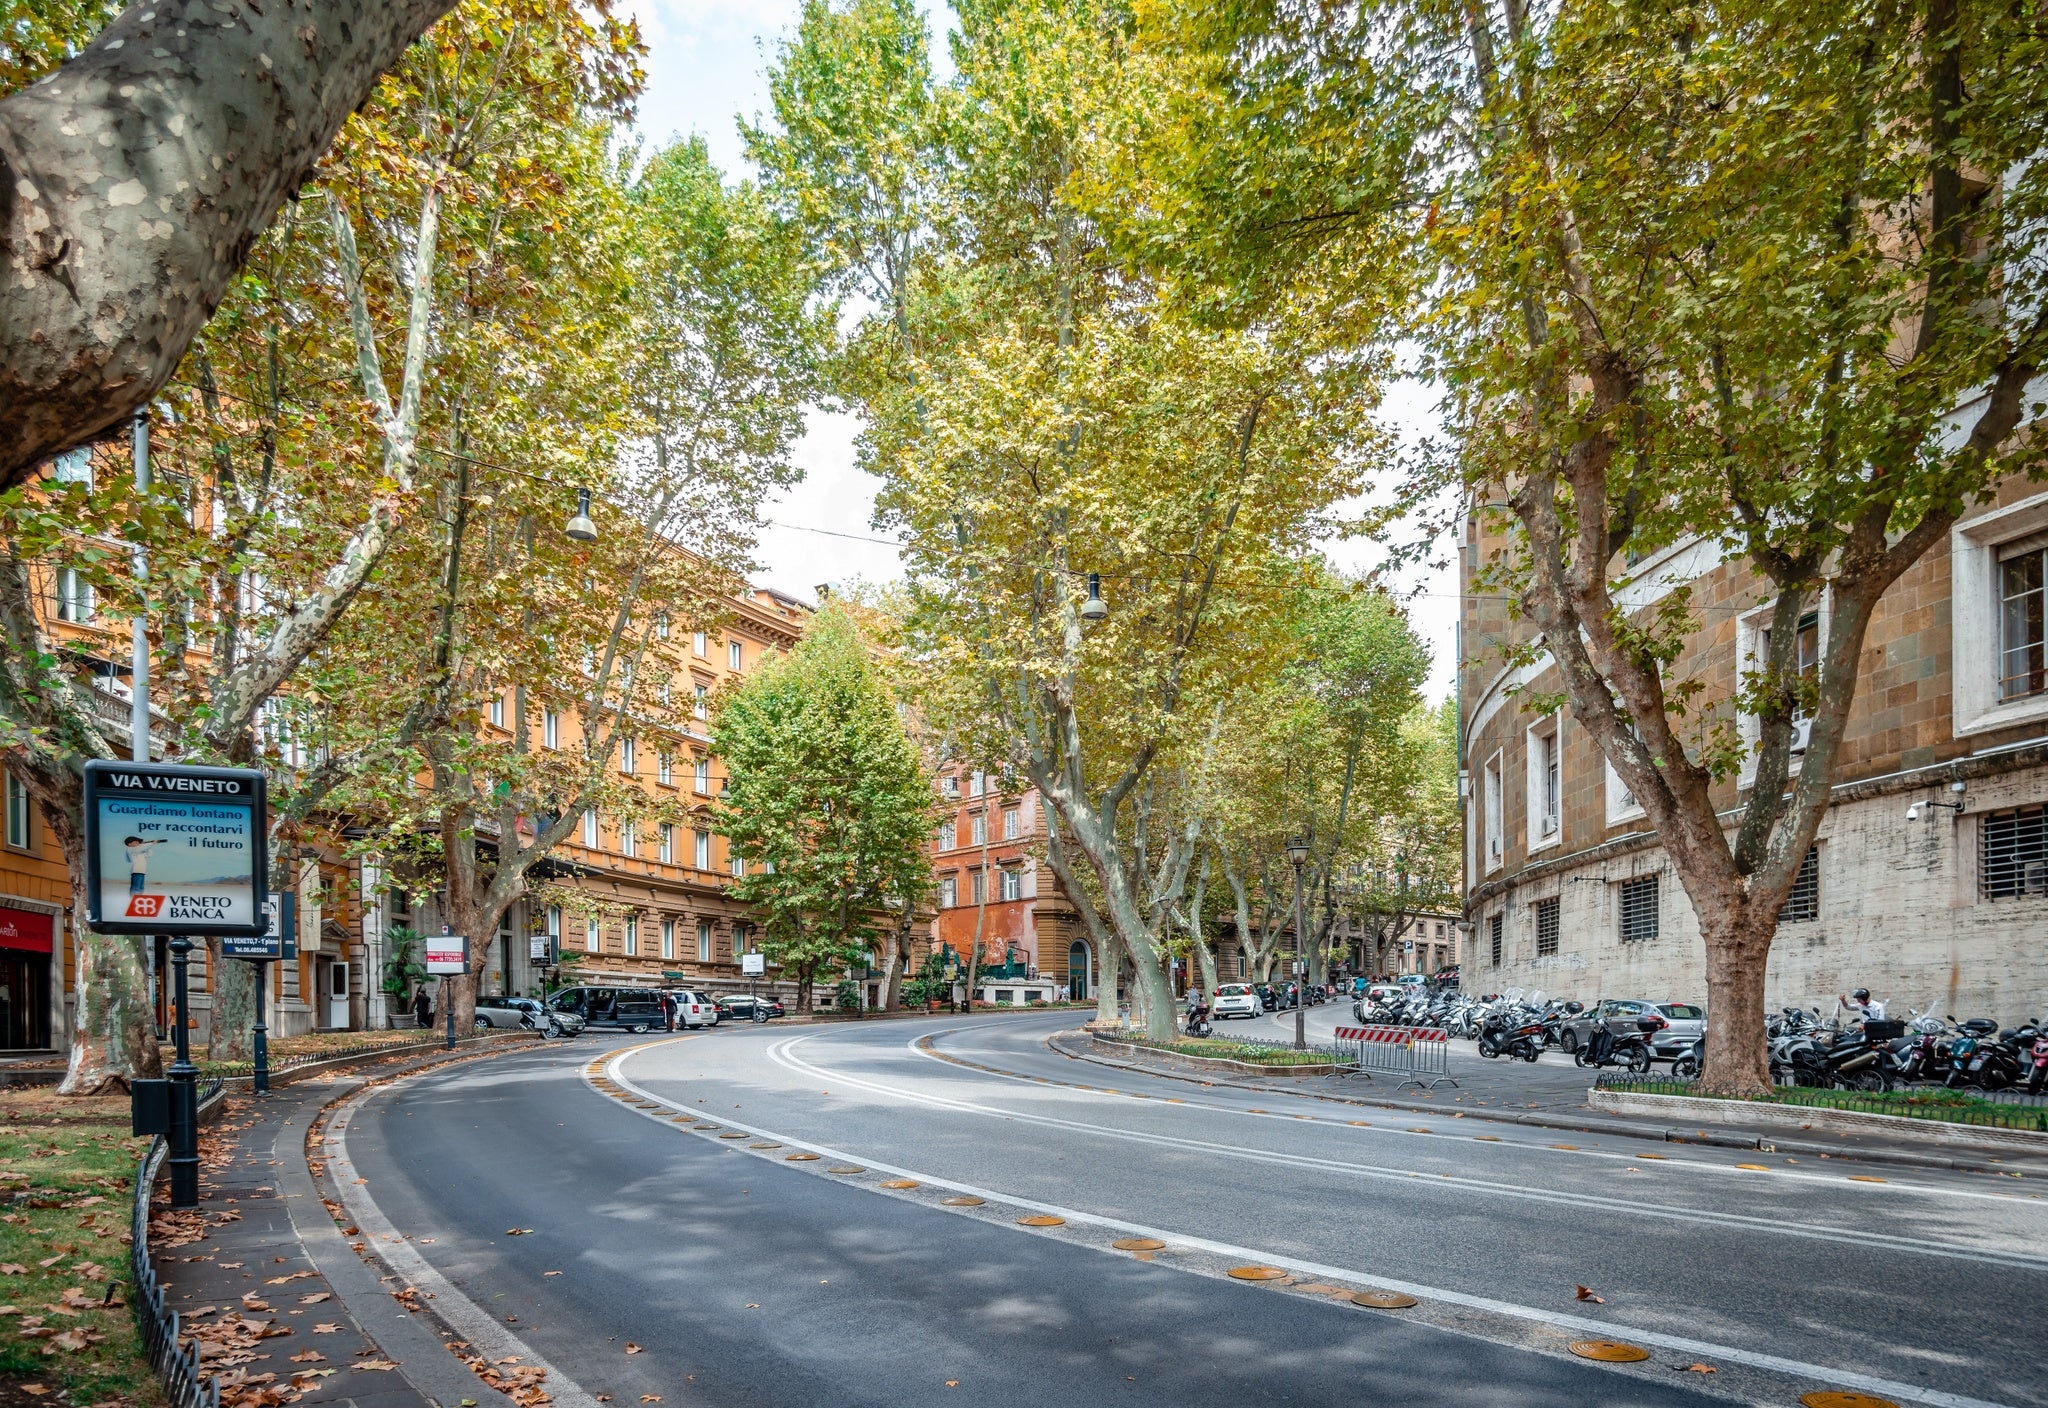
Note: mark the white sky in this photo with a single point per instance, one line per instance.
(706, 67)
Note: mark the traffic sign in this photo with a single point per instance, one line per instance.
(447, 954)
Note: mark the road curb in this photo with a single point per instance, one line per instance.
(1961, 1162)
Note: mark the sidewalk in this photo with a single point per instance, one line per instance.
(267, 1280)
(1486, 1096)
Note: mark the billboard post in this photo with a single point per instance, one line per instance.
(182, 851)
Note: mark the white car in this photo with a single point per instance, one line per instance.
(1236, 1000)
(695, 1009)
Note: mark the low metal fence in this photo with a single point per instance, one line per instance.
(1418, 1055)
(174, 1358)
(2001, 1110)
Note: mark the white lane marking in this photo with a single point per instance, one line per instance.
(475, 1324)
(1891, 1187)
(1697, 1349)
(783, 1056)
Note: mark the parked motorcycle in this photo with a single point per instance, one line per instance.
(1605, 1048)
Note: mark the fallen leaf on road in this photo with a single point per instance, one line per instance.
(373, 1364)
(252, 1301)
(517, 1231)
(952, 1383)
(1699, 1369)
(295, 1276)
(550, 1273)
(316, 1297)
(327, 1329)
(1586, 1294)
(36, 1390)
(310, 1356)
(632, 1348)
(650, 1398)
(753, 1305)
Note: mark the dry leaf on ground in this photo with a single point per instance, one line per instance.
(1586, 1294)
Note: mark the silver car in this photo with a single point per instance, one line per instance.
(524, 1012)
(1684, 1025)
(1618, 1015)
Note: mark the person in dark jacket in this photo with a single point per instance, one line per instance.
(423, 1008)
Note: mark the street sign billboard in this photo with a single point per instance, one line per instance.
(173, 849)
(277, 941)
(447, 954)
(753, 965)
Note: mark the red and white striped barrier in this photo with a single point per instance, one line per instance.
(1419, 1055)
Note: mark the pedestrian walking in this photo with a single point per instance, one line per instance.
(423, 1008)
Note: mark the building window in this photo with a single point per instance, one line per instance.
(703, 856)
(697, 644)
(668, 844)
(979, 827)
(20, 819)
(1621, 802)
(2023, 622)
(979, 881)
(2012, 853)
(590, 830)
(73, 467)
(944, 837)
(1802, 905)
(629, 839)
(590, 937)
(703, 780)
(668, 940)
(1545, 790)
(550, 728)
(497, 711)
(735, 655)
(742, 941)
(949, 892)
(703, 941)
(632, 936)
(1546, 926)
(1493, 928)
(665, 771)
(1010, 823)
(1639, 909)
(661, 626)
(629, 756)
(1496, 830)
(739, 863)
(74, 596)
(554, 930)
(950, 787)
(701, 706)
(1013, 884)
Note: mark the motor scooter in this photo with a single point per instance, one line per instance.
(1604, 1048)
(1198, 1023)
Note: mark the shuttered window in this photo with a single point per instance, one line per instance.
(2012, 853)
(1639, 909)
(1546, 926)
(1802, 905)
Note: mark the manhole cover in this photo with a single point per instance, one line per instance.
(1841, 1398)
(964, 1201)
(846, 1168)
(899, 1183)
(1257, 1273)
(801, 1158)
(1139, 1244)
(1610, 1351)
(1041, 1220)
(1382, 1300)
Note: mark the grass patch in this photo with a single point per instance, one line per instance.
(67, 1179)
(1236, 1051)
(288, 1051)
(1932, 1103)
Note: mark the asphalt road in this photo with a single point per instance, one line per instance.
(749, 1279)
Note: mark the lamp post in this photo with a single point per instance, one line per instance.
(1297, 856)
(579, 527)
(183, 1159)
(260, 1084)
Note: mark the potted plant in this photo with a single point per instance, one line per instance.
(402, 971)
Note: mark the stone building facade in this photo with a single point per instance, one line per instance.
(986, 868)
(1568, 889)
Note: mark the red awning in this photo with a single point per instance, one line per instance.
(29, 929)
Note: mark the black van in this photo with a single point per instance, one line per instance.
(634, 1009)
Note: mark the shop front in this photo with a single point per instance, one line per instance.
(28, 943)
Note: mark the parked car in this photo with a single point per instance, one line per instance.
(1618, 1015)
(633, 1009)
(1268, 999)
(738, 1007)
(694, 1009)
(1236, 1000)
(1684, 1025)
(505, 1012)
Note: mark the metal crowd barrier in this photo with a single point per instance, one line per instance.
(1419, 1055)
